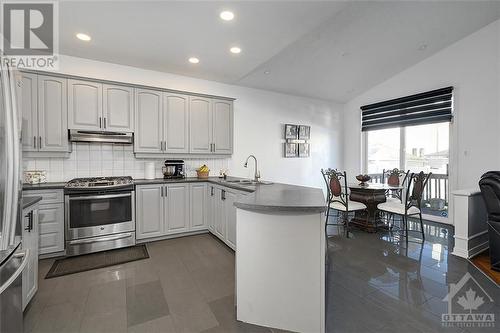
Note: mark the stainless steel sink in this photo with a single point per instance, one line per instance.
(248, 182)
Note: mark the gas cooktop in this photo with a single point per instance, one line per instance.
(100, 182)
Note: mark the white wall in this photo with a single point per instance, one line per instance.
(258, 119)
(472, 66)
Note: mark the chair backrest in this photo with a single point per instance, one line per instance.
(336, 185)
(393, 176)
(490, 189)
(415, 190)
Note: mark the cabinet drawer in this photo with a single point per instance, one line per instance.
(48, 196)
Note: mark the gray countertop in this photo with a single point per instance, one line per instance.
(283, 198)
(30, 201)
(44, 186)
(265, 198)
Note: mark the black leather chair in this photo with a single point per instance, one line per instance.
(490, 189)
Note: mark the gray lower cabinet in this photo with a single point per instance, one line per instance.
(44, 113)
(211, 201)
(30, 242)
(50, 219)
(162, 210)
(149, 211)
(230, 218)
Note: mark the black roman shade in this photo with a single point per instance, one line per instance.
(425, 108)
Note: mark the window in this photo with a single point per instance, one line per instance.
(415, 148)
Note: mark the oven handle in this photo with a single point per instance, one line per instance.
(100, 239)
(107, 196)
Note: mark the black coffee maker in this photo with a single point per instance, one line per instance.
(173, 169)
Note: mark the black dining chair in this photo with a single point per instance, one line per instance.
(395, 177)
(338, 197)
(411, 205)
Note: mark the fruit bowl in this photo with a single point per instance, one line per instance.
(363, 179)
(203, 172)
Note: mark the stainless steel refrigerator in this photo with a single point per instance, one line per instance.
(12, 259)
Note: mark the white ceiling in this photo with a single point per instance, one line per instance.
(330, 50)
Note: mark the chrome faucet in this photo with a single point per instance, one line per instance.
(257, 173)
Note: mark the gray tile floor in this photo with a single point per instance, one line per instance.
(380, 283)
(375, 283)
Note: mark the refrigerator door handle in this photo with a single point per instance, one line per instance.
(18, 271)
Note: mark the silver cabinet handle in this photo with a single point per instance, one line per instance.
(161, 188)
(212, 191)
(100, 122)
(104, 122)
(214, 147)
(40, 145)
(101, 239)
(166, 191)
(34, 142)
(108, 196)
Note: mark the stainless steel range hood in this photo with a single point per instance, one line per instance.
(101, 136)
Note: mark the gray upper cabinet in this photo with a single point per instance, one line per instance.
(85, 105)
(29, 109)
(148, 121)
(118, 108)
(52, 114)
(176, 123)
(200, 125)
(222, 127)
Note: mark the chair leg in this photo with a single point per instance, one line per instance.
(327, 214)
(405, 222)
(421, 226)
(346, 222)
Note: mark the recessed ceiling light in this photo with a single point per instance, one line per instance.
(194, 60)
(226, 15)
(82, 36)
(267, 72)
(235, 50)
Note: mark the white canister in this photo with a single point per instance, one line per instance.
(149, 170)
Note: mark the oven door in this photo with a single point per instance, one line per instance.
(90, 215)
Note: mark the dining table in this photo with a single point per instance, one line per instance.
(371, 194)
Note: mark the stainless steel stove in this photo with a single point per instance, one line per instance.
(99, 214)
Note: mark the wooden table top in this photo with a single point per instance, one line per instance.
(374, 187)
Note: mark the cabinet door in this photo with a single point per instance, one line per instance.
(85, 105)
(210, 207)
(223, 126)
(176, 125)
(219, 214)
(177, 208)
(29, 110)
(118, 108)
(198, 201)
(52, 114)
(51, 224)
(230, 219)
(149, 211)
(200, 125)
(30, 241)
(148, 121)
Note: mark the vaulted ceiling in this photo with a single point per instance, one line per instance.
(332, 50)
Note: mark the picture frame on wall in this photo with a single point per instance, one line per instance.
(291, 132)
(290, 150)
(303, 150)
(304, 132)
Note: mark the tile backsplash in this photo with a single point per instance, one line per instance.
(96, 160)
